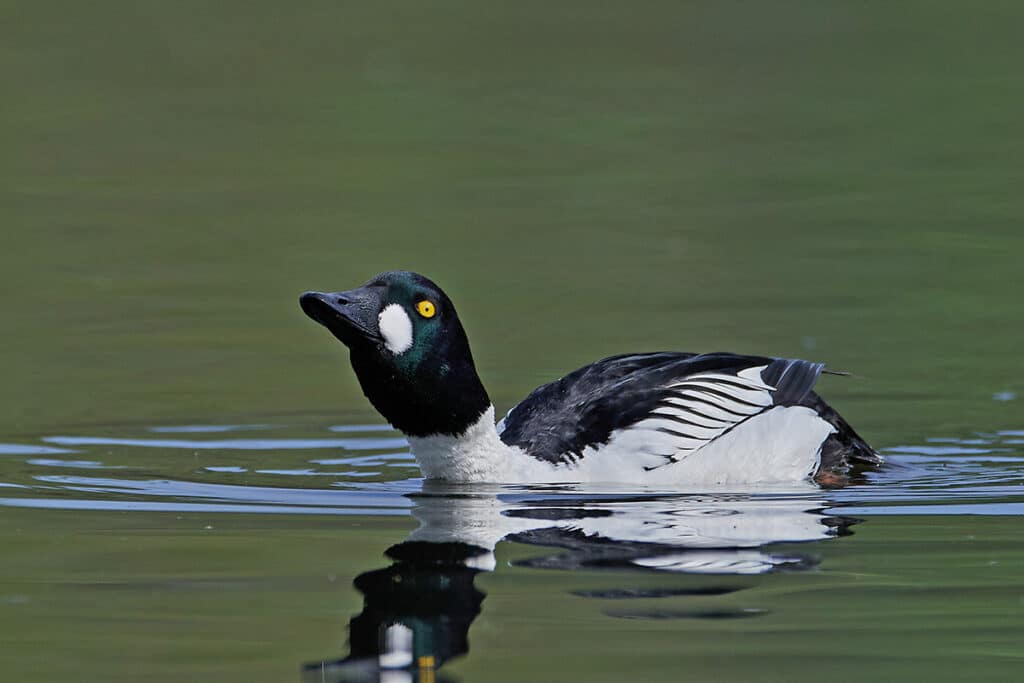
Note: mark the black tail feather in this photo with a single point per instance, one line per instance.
(844, 451)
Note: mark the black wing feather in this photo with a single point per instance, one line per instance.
(557, 421)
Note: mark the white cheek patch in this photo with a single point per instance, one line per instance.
(396, 328)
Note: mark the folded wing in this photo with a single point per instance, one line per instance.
(665, 404)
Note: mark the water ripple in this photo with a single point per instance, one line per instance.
(232, 444)
(208, 429)
(23, 449)
(187, 490)
(978, 474)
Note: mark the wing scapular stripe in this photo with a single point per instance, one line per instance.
(748, 399)
(702, 407)
(667, 424)
(724, 403)
(671, 413)
(691, 402)
(748, 392)
(695, 410)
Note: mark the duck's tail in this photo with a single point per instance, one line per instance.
(844, 454)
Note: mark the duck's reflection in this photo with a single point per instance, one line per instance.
(417, 611)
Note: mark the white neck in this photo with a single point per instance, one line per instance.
(477, 454)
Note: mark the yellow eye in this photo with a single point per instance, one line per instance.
(426, 309)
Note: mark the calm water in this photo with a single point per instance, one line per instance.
(218, 550)
(192, 486)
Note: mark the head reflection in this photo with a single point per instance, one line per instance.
(417, 611)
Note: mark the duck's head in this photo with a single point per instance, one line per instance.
(408, 350)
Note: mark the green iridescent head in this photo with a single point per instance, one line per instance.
(408, 349)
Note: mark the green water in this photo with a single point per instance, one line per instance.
(835, 181)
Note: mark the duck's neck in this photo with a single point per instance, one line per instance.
(425, 397)
(476, 454)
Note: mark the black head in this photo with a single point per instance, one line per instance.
(408, 349)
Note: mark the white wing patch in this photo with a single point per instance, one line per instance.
(698, 410)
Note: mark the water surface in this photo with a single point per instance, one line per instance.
(261, 545)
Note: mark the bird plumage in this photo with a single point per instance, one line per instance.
(663, 417)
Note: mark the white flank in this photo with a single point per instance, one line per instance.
(396, 328)
(780, 444)
(783, 444)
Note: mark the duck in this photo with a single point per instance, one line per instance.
(663, 418)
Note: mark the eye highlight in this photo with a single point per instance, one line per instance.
(426, 309)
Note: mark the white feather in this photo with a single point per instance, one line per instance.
(783, 444)
(396, 328)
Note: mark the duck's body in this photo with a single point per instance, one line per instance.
(675, 419)
(751, 453)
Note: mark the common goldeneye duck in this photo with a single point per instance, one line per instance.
(663, 418)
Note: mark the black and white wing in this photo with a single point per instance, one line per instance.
(665, 404)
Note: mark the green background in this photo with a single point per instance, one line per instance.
(583, 178)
